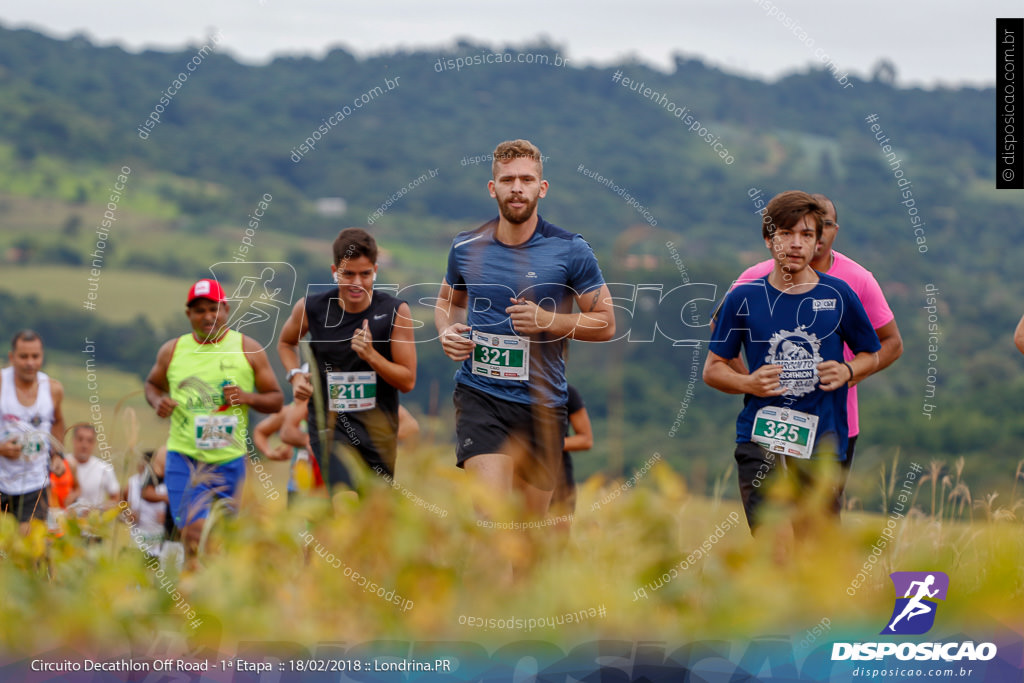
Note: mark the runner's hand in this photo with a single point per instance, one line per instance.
(764, 381)
(303, 389)
(281, 452)
(166, 406)
(832, 375)
(362, 342)
(233, 395)
(454, 344)
(529, 318)
(11, 449)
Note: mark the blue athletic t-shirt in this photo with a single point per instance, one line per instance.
(796, 331)
(549, 269)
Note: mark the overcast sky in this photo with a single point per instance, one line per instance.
(930, 42)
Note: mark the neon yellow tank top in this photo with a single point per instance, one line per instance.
(202, 426)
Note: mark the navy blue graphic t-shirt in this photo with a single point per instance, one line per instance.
(796, 331)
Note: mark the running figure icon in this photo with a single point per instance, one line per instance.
(916, 606)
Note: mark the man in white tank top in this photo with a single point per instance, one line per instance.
(31, 429)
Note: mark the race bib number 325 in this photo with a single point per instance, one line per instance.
(785, 431)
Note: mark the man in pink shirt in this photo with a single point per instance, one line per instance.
(863, 283)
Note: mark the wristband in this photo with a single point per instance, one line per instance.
(304, 368)
(850, 368)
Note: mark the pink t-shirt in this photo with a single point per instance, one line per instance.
(864, 285)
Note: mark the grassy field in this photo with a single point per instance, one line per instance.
(47, 176)
(651, 563)
(122, 295)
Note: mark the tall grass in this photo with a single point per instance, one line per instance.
(263, 579)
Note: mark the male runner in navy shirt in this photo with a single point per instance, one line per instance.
(792, 324)
(505, 312)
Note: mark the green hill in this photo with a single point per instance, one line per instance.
(70, 114)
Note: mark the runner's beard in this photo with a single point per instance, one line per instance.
(514, 216)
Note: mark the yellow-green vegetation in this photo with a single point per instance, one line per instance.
(653, 562)
(152, 193)
(987, 192)
(52, 177)
(123, 295)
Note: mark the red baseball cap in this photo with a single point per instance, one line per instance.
(206, 289)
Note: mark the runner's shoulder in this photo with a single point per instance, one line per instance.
(467, 236)
(838, 284)
(318, 294)
(251, 346)
(167, 348)
(756, 271)
(855, 275)
(847, 262)
(550, 230)
(743, 289)
(386, 299)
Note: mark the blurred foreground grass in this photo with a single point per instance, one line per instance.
(264, 582)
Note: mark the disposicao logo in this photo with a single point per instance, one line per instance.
(914, 613)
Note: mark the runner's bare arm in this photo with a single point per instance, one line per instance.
(291, 428)
(892, 345)
(834, 374)
(157, 391)
(1018, 335)
(892, 348)
(450, 321)
(149, 493)
(400, 372)
(157, 466)
(408, 427)
(583, 438)
(59, 427)
(10, 449)
(720, 374)
(595, 322)
(268, 397)
(738, 365)
(295, 328)
(261, 437)
(76, 489)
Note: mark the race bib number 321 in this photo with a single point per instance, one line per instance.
(501, 356)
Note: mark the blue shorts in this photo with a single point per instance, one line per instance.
(193, 485)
